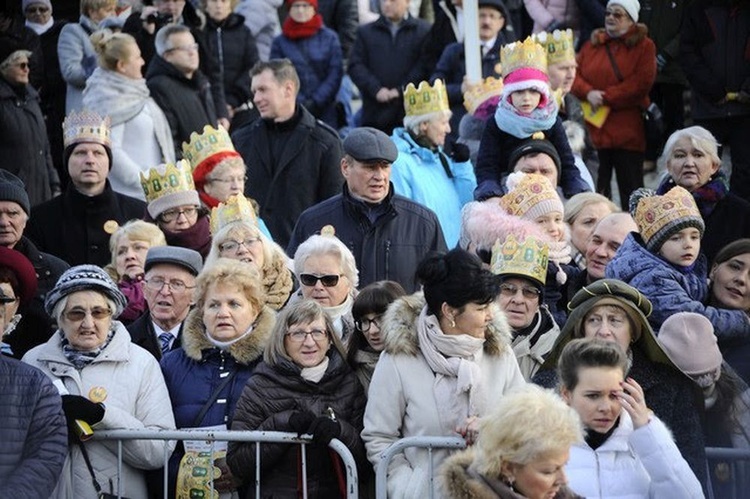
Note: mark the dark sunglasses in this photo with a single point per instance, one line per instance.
(328, 281)
(22, 65)
(37, 10)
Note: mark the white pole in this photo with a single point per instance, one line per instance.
(471, 41)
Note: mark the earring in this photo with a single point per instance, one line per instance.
(453, 322)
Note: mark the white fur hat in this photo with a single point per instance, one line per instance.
(632, 7)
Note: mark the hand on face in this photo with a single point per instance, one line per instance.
(634, 402)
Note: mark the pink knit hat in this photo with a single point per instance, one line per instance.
(689, 340)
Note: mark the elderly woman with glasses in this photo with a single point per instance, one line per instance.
(303, 385)
(328, 274)
(106, 383)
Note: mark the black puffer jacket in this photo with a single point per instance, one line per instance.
(271, 396)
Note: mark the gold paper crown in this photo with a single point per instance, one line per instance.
(528, 54)
(86, 126)
(528, 259)
(558, 45)
(236, 209)
(204, 145)
(659, 216)
(478, 94)
(531, 196)
(174, 178)
(425, 98)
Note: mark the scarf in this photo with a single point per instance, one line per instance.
(315, 374)
(294, 30)
(522, 126)
(81, 359)
(364, 366)
(453, 360)
(40, 29)
(197, 237)
(277, 282)
(559, 253)
(133, 291)
(224, 345)
(706, 196)
(337, 314)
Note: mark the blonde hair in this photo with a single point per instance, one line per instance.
(524, 425)
(134, 230)
(88, 5)
(699, 137)
(577, 203)
(112, 48)
(271, 250)
(235, 273)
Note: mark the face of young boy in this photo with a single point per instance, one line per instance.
(525, 100)
(682, 248)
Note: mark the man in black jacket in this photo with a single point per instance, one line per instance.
(387, 233)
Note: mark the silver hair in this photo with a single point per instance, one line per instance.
(60, 307)
(699, 137)
(13, 58)
(412, 123)
(162, 43)
(328, 245)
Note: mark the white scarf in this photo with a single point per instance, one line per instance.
(453, 358)
(224, 345)
(337, 314)
(40, 29)
(315, 374)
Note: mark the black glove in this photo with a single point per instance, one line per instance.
(457, 151)
(324, 429)
(300, 421)
(77, 407)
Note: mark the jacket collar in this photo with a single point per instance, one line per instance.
(635, 34)
(117, 350)
(76, 198)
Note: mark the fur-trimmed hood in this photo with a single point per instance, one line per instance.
(635, 35)
(245, 351)
(400, 328)
(484, 222)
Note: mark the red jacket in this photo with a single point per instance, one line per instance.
(635, 55)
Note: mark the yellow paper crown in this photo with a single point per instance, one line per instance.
(204, 145)
(167, 179)
(236, 209)
(530, 195)
(425, 98)
(558, 45)
(478, 94)
(658, 217)
(86, 126)
(526, 54)
(527, 260)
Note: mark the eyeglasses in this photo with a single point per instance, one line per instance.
(174, 214)
(175, 285)
(364, 324)
(611, 13)
(22, 65)
(78, 314)
(299, 336)
(40, 9)
(193, 47)
(511, 290)
(230, 180)
(328, 281)
(233, 246)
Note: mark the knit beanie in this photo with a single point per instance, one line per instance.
(12, 189)
(530, 196)
(632, 7)
(660, 217)
(85, 278)
(314, 3)
(26, 3)
(689, 340)
(530, 146)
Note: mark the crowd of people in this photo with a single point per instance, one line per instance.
(304, 216)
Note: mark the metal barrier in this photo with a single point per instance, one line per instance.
(257, 437)
(429, 443)
(740, 478)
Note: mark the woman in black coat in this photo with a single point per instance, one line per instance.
(304, 386)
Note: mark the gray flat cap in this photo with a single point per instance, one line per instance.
(368, 144)
(186, 258)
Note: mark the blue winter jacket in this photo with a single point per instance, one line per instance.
(671, 290)
(419, 175)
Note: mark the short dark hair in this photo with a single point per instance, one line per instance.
(587, 352)
(373, 299)
(456, 278)
(282, 69)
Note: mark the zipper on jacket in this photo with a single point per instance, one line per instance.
(388, 259)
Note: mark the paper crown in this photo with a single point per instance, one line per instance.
(478, 94)
(167, 179)
(530, 195)
(206, 144)
(425, 98)
(236, 209)
(526, 54)
(86, 126)
(558, 45)
(527, 260)
(659, 217)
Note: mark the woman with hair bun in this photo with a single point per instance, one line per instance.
(447, 361)
(141, 138)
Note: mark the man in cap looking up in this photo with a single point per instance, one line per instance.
(387, 233)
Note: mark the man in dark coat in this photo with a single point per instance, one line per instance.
(388, 234)
(178, 86)
(292, 159)
(77, 225)
(170, 293)
(385, 57)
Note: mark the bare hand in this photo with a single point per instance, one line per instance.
(383, 95)
(394, 93)
(595, 98)
(633, 401)
(469, 430)
(226, 481)
(224, 122)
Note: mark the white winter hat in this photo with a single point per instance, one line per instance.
(632, 7)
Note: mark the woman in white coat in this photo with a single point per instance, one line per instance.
(141, 138)
(628, 451)
(447, 358)
(105, 381)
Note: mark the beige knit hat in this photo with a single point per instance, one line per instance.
(530, 196)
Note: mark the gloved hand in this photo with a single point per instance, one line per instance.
(77, 407)
(226, 482)
(457, 151)
(300, 421)
(324, 429)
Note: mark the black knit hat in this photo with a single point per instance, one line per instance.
(530, 146)
(12, 189)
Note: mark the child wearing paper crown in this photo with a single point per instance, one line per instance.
(526, 109)
(664, 261)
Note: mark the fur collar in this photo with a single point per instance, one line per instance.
(400, 329)
(636, 34)
(245, 351)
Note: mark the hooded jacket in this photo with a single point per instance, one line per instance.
(401, 401)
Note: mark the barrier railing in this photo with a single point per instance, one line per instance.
(736, 475)
(257, 437)
(429, 443)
